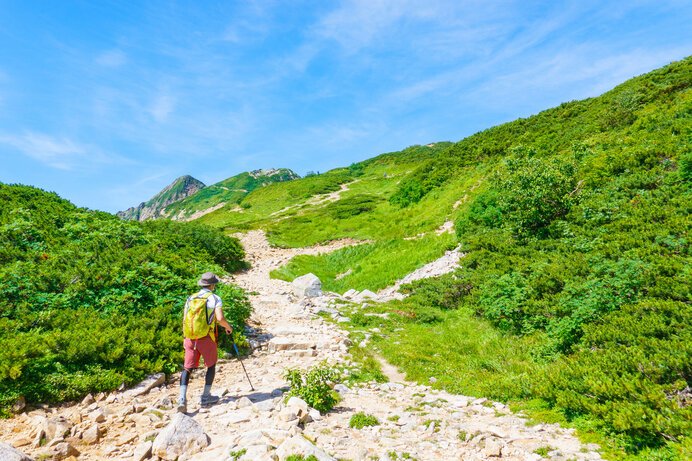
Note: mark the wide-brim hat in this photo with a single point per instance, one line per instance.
(207, 279)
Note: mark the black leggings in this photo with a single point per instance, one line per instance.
(208, 379)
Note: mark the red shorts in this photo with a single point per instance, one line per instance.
(206, 347)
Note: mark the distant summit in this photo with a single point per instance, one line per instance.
(187, 198)
(179, 189)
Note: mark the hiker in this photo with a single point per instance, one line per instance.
(202, 312)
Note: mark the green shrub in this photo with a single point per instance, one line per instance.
(352, 206)
(633, 372)
(90, 301)
(314, 386)
(533, 192)
(360, 420)
(685, 166)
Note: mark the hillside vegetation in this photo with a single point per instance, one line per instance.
(575, 292)
(90, 301)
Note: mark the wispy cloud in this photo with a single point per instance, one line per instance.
(61, 153)
(162, 106)
(111, 58)
(358, 23)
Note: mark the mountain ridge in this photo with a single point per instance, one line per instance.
(180, 188)
(192, 199)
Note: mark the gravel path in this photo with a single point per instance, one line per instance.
(415, 421)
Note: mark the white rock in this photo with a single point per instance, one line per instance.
(60, 451)
(342, 389)
(350, 294)
(98, 415)
(55, 427)
(148, 384)
(367, 294)
(92, 434)
(288, 414)
(9, 453)
(143, 451)
(307, 285)
(236, 417)
(299, 406)
(290, 344)
(265, 405)
(493, 448)
(244, 402)
(299, 445)
(255, 453)
(182, 436)
(290, 330)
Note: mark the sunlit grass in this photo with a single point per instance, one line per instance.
(373, 266)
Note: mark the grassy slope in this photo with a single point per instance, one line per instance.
(306, 224)
(632, 142)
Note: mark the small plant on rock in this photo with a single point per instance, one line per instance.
(301, 458)
(543, 451)
(314, 386)
(360, 420)
(235, 455)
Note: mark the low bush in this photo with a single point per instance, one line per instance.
(361, 419)
(90, 301)
(314, 386)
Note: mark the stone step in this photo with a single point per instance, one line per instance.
(290, 344)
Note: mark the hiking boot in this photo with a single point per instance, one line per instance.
(182, 406)
(209, 400)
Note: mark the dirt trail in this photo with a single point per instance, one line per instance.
(416, 422)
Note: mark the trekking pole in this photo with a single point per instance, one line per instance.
(241, 364)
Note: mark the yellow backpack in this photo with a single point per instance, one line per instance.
(196, 323)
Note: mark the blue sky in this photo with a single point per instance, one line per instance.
(106, 102)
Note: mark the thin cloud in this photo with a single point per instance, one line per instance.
(111, 58)
(162, 106)
(60, 153)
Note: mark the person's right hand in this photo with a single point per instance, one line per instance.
(229, 331)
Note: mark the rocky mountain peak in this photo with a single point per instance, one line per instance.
(179, 189)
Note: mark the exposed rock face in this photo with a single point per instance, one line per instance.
(183, 435)
(174, 192)
(282, 174)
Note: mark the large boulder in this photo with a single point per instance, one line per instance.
(9, 453)
(183, 435)
(307, 285)
(299, 445)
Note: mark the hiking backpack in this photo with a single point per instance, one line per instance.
(196, 323)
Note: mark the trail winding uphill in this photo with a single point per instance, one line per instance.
(416, 422)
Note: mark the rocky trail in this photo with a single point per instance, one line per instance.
(415, 421)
